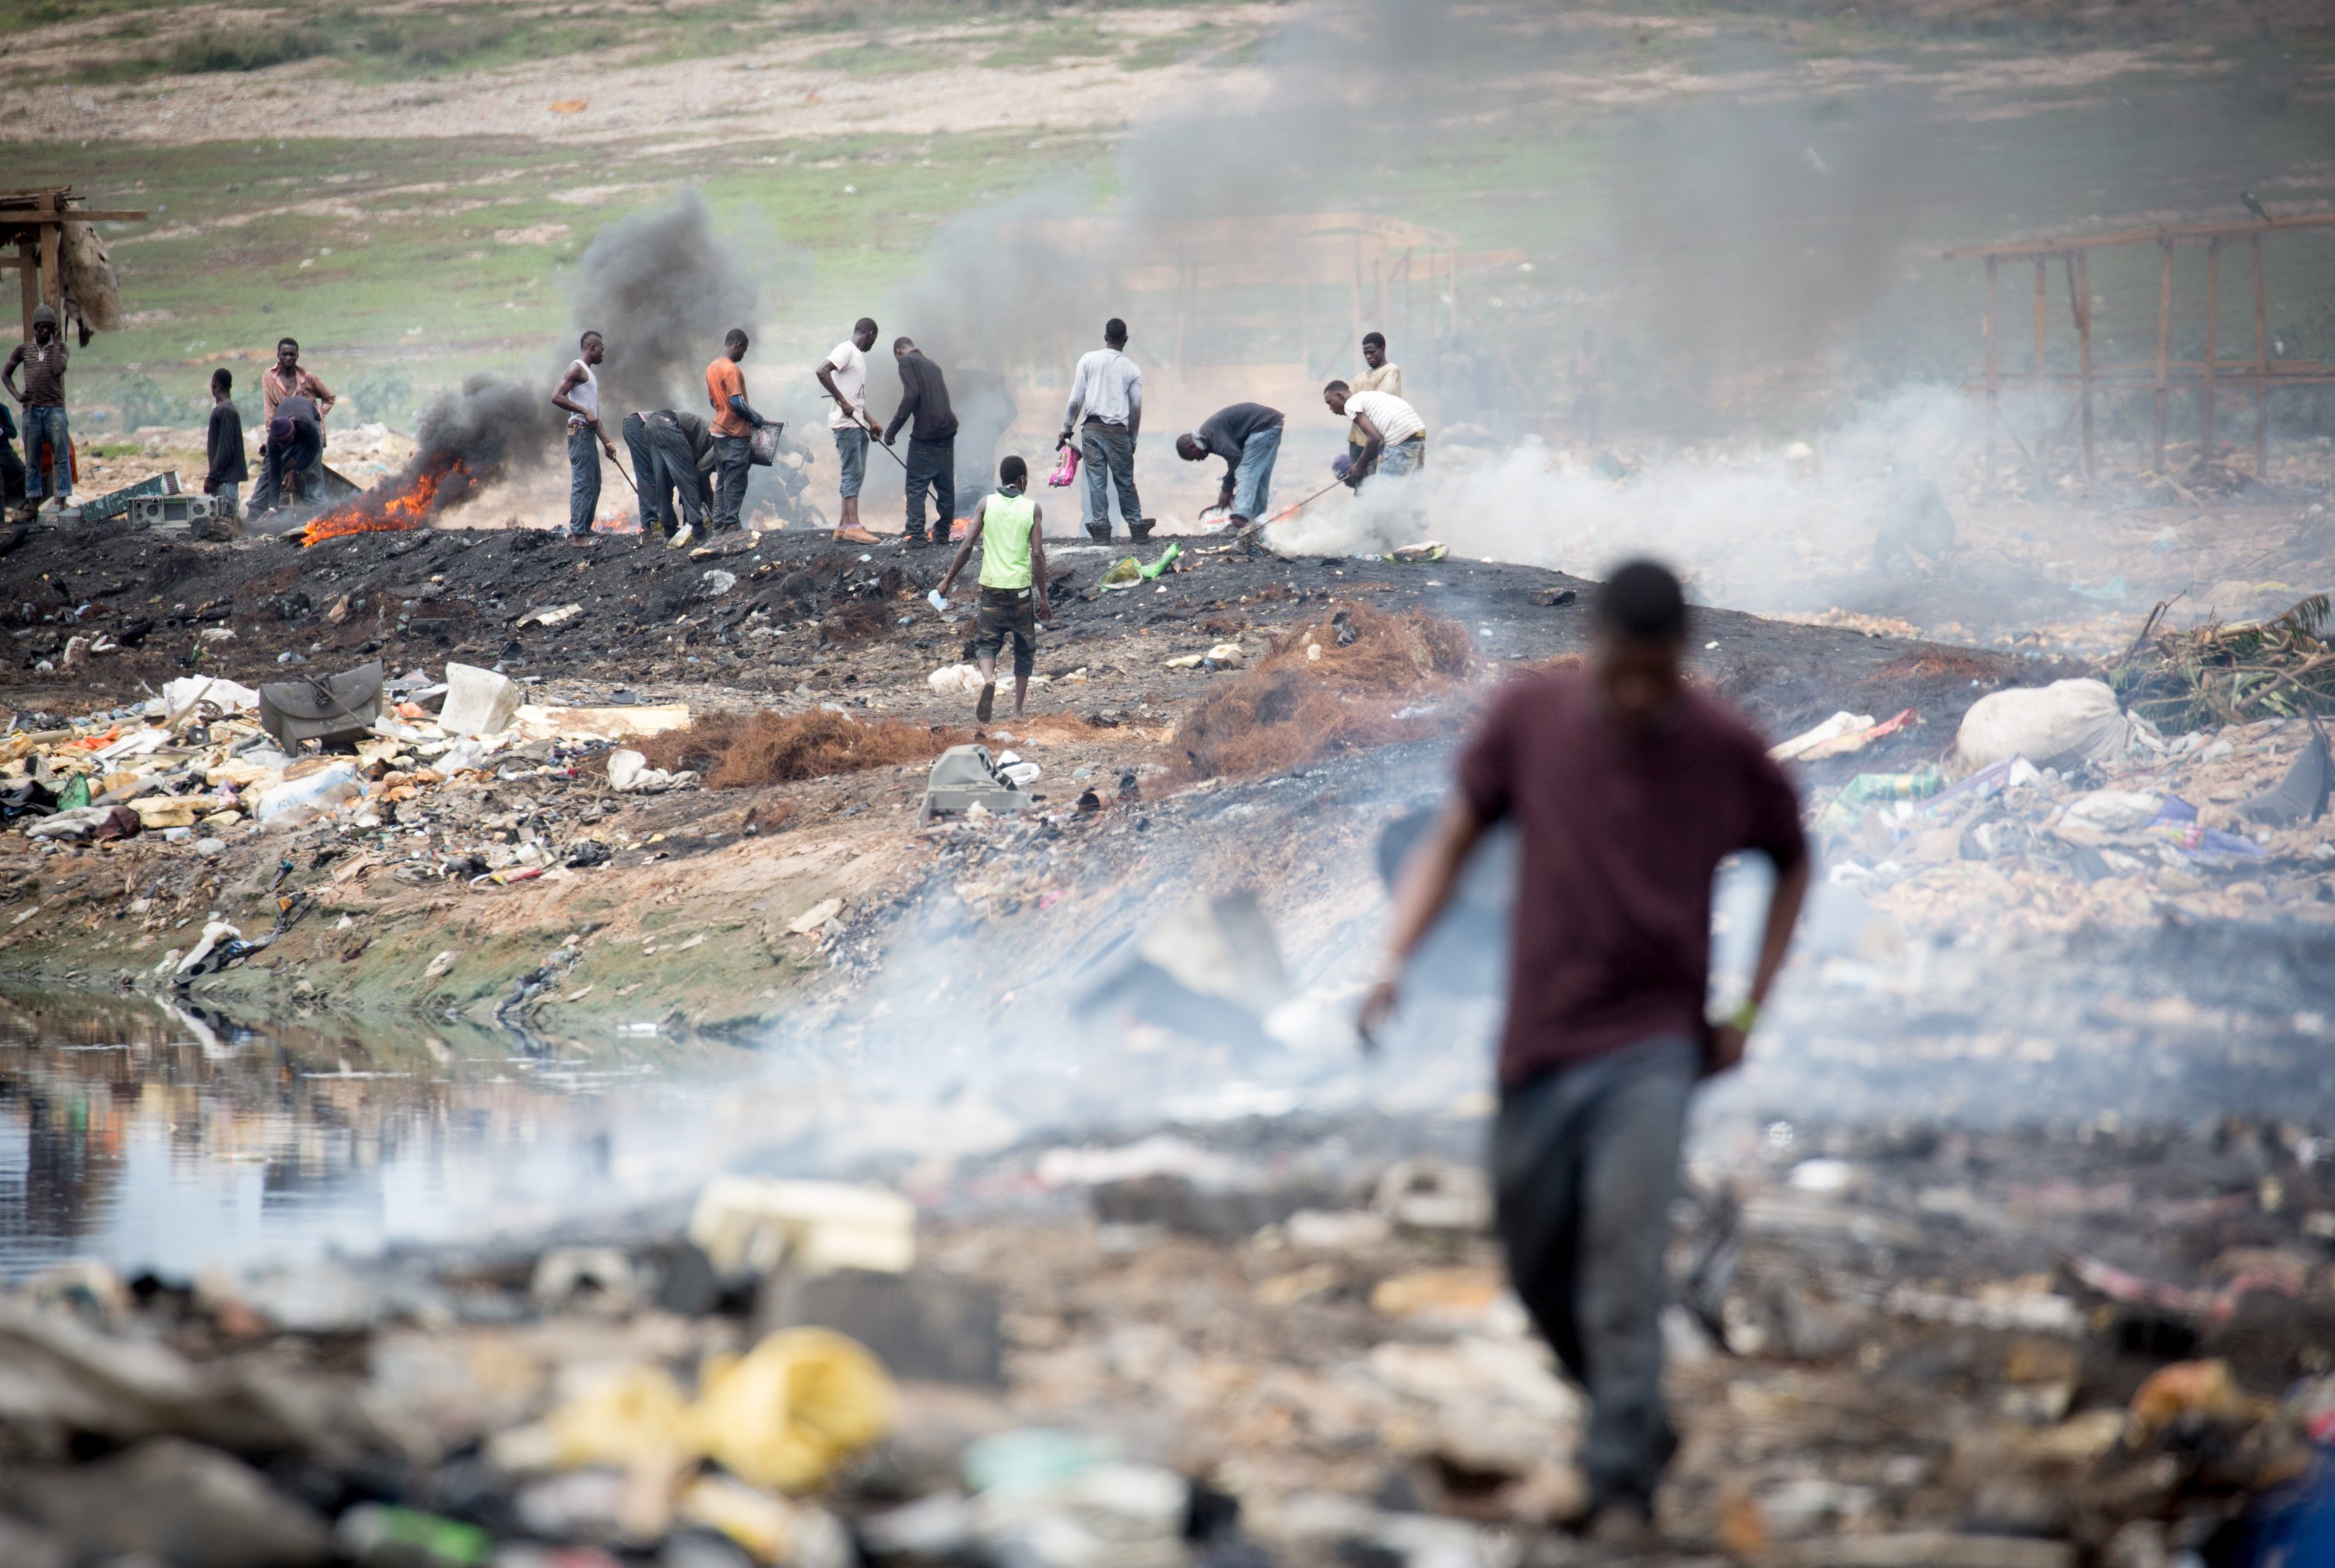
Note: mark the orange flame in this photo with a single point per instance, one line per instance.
(372, 513)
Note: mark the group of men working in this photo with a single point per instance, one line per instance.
(691, 471)
(292, 460)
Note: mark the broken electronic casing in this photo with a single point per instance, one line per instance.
(964, 777)
(162, 511)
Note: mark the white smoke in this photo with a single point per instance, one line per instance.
(1752, 525)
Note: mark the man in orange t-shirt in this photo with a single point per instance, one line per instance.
(733, 425)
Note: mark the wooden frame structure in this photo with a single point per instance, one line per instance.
(32, 224)
(2162, 373)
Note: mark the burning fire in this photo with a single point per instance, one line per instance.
(390, 508)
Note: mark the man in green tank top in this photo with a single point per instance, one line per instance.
(1010, 528)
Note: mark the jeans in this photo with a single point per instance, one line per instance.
(852, 447)
(1403, 457)
(1252, 480)
(583, 477)
(1584, 1161)
(635, 432)
(231, 492)
(733, 455)
(932, 466)
(12, 475)
(1102, 448)
(47, 424)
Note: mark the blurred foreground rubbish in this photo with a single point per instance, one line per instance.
(1906, 1345)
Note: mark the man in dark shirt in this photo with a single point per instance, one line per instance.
(1629, 788)
(227, 469)
(48, 444)
(295, 451)
(932, 439)
(1248, 436)
(672, 457)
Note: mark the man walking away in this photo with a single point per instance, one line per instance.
(932, 439)
(12, 471)
(1377, 375)
(673, 461)
(843, 374)
(294, 470)
(1107, 389)
(46, 437)
(223, 444)
(578, 395)
(734, 424)
(285, 378)
(1628, 787)
(1394, 438)
(1009, 527)
(1248, 436)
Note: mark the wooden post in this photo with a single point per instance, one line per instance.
(2212, 316)
(2080, 295)
(28, 282)
(1406, 293)
(2164, 340)
(1455, 293)
(1992, 395)
(1378, 282)
(2042, 404)
(1183, 303)
(1354, 304)
(2261, 367)
(53, 282)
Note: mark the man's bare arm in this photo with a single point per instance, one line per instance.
(1038, 559)
(1421, 893)
(1726, 1039)
(964, 550)
(8, 374)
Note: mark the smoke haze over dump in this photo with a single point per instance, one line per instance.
(661, 288)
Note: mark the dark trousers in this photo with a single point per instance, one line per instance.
(12, 475)
(1584, 1162)
(1108, 454)
(667, 473)
(583, 479)
(733, 455)
(932, 466)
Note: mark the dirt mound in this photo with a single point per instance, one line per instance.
(734, 751)
(1361, 679)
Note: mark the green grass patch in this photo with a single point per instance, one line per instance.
(878, 57)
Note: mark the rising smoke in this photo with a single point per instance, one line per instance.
(661, 288)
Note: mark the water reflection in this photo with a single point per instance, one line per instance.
(173, 1138)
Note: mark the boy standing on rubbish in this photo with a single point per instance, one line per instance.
(1009, 527)
(843, 376)
(1628, 787)
(223, 444)
(43, 361)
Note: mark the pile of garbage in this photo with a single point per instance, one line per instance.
(1231, 1350)
(2232, 674)
(2058, 809)
(211, 757)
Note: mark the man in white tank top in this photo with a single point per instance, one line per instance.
(580, 395)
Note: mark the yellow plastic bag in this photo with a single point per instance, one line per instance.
(786, 1413)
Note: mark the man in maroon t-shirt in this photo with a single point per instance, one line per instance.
(1628, 789)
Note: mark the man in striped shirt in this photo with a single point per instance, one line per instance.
(1394, 438)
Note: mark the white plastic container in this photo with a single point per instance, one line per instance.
(477, 701)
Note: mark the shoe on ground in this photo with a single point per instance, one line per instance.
(988, 703)
(855, 536)
(1141, 529)
(680, 538)
(1099, 536)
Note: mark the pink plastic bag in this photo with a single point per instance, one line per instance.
(1066, 468)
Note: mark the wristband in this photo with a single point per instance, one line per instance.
(1746, 1016)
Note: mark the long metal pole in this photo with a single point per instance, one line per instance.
(2164, 340)
(1993, 395)
(2205, 448)
(2261, 366)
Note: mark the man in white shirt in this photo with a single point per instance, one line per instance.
(1394, 438)
(843, 374)
(1108, 390)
